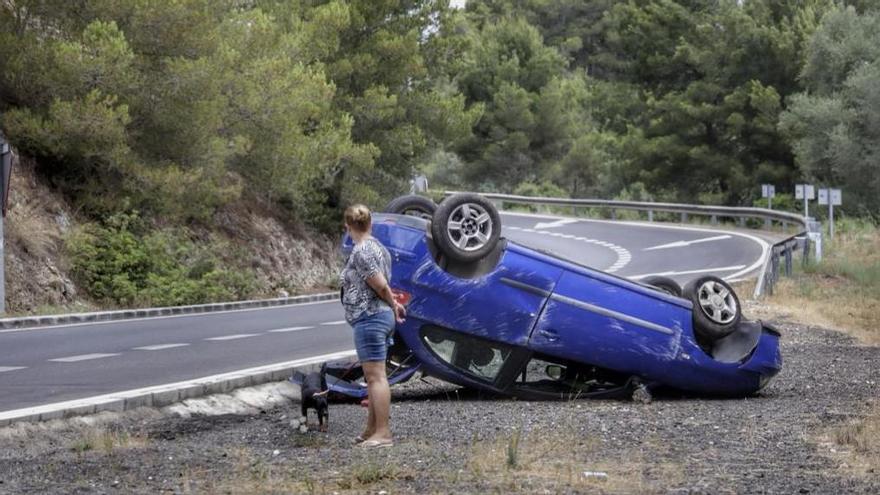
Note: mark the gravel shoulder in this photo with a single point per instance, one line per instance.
(450, 440)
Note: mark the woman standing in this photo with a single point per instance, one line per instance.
(371, 310)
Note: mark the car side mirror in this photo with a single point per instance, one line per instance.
(554, 371)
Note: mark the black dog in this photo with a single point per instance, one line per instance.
(314, 396)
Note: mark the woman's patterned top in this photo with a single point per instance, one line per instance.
(366, 259)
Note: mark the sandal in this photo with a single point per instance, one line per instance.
(359, 439)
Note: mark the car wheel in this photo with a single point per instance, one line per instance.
(663, 284)
(716, 308)
(466, 227)
(413, 205)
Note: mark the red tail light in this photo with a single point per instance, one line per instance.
(401, 297)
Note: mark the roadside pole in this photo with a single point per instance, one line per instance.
(2, 267)
(768, 191)
(832, 198)
(835, 198)
(805, 192)
(823, 200)
(5, 173)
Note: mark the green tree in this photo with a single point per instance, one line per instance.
(713, 85)
(835, 124)
(389, 64)
(534, 108)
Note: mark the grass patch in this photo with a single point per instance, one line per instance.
(554, 461)
(856, 444)
(254, 473)
(106, 441)
(310, 440)
(841, 292)
(369, 474)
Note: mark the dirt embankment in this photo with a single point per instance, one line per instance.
(35, 225)
(284, 258)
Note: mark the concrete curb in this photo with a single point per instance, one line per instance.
(164, 395)
(38, 321)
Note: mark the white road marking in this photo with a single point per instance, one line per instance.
(687, 243)
(335, 302)
(290, 329)
(83, 357)
(689, 272)
(623, 256)
(11, 368)
(557, 223)
(159, 347)
(234, 337)
(338, 322)
(116, 396)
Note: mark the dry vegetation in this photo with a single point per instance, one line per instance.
(518, 463)
(36, 222)
(107, 441)
(842, 292)
(548, 459)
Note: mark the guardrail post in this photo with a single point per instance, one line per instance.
(741, 221)
(613, 214)
(684, 218)
(574, 211)
(817, 240)
(806, 257)
(650, 215)
(787, 254)
(775, 267)
(714, 220)
(767, 223)
(785, 226)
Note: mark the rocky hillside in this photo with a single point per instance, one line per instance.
(279, 258)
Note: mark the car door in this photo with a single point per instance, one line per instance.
(597, 319)
(502, 305)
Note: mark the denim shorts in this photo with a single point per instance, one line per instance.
(373, 335)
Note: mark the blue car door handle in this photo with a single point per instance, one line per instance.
(549, 334)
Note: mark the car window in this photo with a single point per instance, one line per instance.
(548, 376)
(543, 376)
(480, 358)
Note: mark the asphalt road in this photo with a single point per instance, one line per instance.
(638, 249)
(52, 364)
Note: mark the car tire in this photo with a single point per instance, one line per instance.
(717, 310)
(466, 227)
(663, 284)
(412, 204)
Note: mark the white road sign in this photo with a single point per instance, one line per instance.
(804, 191)
(823, 196)
(836, 197)
(768, 191)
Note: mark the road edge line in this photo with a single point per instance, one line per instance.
(170, 393)
(127, 314)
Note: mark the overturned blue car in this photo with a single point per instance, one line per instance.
(487, 313)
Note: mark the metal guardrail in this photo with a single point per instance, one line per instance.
(781, 252)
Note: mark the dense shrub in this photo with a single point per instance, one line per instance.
(122, 262)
